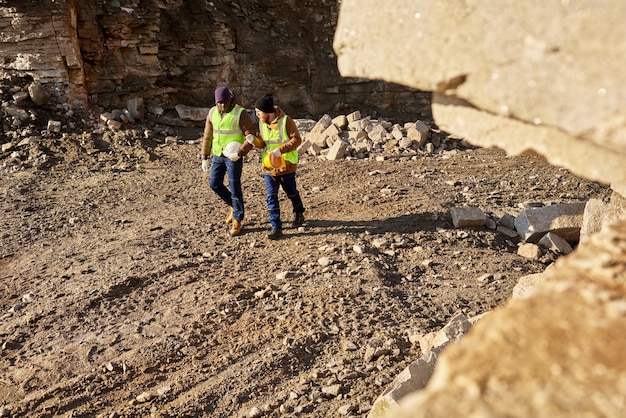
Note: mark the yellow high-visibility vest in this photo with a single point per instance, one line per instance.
(275, 139)
(225, 128)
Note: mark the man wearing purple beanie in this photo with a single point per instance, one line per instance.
(228, 135)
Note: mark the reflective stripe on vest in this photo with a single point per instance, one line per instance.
(276, 138)
(225, 128)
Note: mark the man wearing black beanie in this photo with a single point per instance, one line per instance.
(265, 103)
(281, 139)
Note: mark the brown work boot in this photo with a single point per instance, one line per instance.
(229, 218)
(236, 228)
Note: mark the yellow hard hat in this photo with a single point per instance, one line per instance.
(272, 161)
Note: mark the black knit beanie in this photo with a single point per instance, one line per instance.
(265, 103)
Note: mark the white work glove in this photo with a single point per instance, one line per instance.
(277, 152)
(205, 166)
(250, 139)
(234, 157)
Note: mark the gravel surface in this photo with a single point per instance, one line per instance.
(122, 294)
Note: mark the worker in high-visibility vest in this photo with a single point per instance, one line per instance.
(280, 161)
(229, 134)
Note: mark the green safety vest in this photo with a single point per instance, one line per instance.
(225, 128)
(275, 139)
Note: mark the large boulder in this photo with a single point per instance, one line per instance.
(556, 353)
(542, 76)
(534, 77)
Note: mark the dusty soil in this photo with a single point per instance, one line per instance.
(122, 295)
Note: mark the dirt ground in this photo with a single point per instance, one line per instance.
(122, 295)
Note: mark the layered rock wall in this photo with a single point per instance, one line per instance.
(38, 39)
(176, 52)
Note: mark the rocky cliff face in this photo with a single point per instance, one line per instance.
(38, 41)
(176, 52)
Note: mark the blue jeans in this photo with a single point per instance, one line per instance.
(272, 185)
(220, 166)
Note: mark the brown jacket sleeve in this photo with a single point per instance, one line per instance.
(245, 123)
(207, 138)
(247, 127)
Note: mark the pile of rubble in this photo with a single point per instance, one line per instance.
(29, 120)
(353, 136)
(356, 136)
(554, 227)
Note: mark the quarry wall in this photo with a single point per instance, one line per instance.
(103, 53)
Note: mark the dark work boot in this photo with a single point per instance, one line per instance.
(298, 220)
(275, 233)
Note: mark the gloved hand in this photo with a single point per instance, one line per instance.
(234, 157)
(277, 152)
(205, 165)
(250, 139)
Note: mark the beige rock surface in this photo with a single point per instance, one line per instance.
(549, 65)
(528, 77)
(559, 350)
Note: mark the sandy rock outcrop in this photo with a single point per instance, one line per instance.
(532, 77)
(545, 77)
(559, 354)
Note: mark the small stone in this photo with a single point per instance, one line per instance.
(485, 278)
(315, 395)
(144, 397)
(17, 307)
(255, 412)
(350, 374)
(163, 390)
(346, 409)
(530, 251)
(114, 125)
(380, 242)
(512, 233)
(348, 345)
(54, 126)
(324, 261)
(332, 390)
